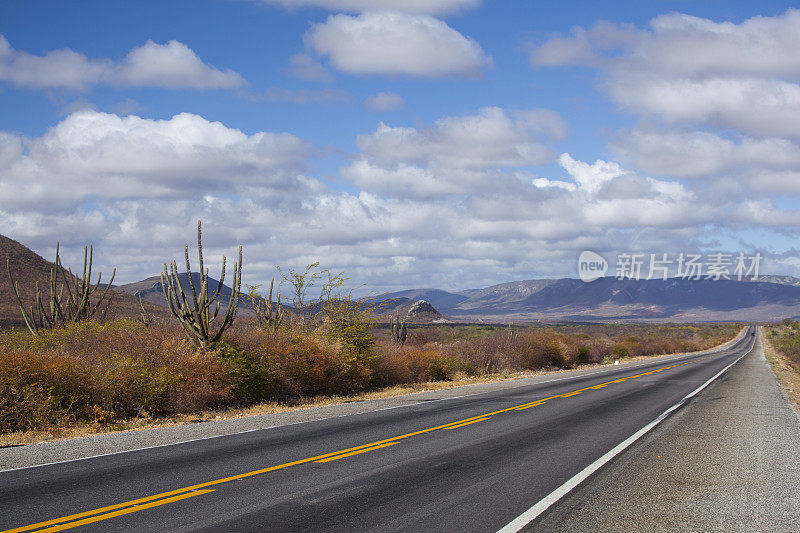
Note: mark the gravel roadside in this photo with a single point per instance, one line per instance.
(728, 461)
(78, 448)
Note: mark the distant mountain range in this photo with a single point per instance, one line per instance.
(769, 298)
(150, 290)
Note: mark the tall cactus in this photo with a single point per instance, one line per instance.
(74, 306)
(193, 312)
(399, 331)
(270, 316)
(79, 290)
(145, 317)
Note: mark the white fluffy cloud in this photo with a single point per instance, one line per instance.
(457, 156)
(108, 157)
(395, 43)
(684, 46)
(431, 7)
(769, 164)
(717, 102)
(492, 138)
(690, 70)
(172, 65)
(458, 196)
(752, 106)
(384, 101)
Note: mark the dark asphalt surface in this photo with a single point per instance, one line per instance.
(477, 477)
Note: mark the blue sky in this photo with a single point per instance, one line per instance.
(510, 135)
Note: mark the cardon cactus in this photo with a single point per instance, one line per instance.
(399, 331)
(74, 306)
(270, 316)
(194, 311)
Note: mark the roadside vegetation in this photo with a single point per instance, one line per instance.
(782, 350)
(83, 371)
(785, 337)
(99, 374)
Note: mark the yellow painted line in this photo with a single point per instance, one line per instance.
(468, 423)
(528, 405)
(129, 510)
(342, 456)
(193, 490)
(93, 512)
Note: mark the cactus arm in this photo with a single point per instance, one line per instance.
(189, 273)
(180, 295)
(81, 288)
(203, 310)
(40, 314)
(173, 292)
(105, 292)
(233, 303)
(221, 281)
(28, 320)
(60, 268)
(199, 245)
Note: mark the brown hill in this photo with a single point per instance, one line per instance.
(29, 268)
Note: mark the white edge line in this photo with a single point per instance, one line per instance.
(601, 371)
(542, 505)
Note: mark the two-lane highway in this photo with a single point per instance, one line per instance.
(475, 463)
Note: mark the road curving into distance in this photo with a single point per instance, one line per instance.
(485, 462)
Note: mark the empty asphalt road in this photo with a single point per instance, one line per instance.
(482, 462)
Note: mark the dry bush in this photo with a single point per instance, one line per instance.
(786, 339)
(482, 355)
(101, 373)
(428, 335)
(392, 365)
(538, 348)
(298, 364)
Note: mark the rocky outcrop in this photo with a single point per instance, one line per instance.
(423, 311)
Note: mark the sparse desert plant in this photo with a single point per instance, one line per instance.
(345, 319)
(348, 322)
(73, 306)
(194, 314)
(335, 313)
(269, 315)
(145, 316)
(399, 330)
(300, 283)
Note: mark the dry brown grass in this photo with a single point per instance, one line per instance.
(786, 370)
(118, 375)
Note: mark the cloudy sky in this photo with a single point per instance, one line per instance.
(410, 143)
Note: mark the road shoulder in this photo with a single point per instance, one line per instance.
(788, 377)
(728, 461)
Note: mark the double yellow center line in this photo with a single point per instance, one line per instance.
(111, 511)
